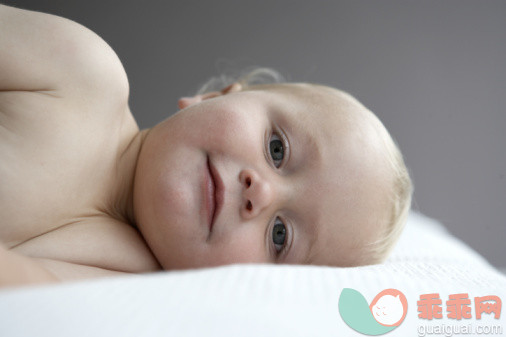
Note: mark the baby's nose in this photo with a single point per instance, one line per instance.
(257, 193)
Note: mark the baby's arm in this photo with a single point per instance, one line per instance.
(43, 52)
(16, 270)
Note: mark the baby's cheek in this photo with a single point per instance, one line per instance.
(240, 247)
(238, 134)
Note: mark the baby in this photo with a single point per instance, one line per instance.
(272, 173)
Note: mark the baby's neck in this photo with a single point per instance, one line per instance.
(120, 204)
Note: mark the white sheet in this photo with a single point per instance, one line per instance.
(257, 300)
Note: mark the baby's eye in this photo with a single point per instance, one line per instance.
(279, 235)
(276, 149)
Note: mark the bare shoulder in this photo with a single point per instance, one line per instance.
(47, 53)
(64, 119)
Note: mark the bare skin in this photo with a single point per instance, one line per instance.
(68, 144)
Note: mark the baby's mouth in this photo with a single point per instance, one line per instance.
(215, 192)
(210, 196)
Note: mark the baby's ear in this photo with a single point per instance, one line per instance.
(185, 102)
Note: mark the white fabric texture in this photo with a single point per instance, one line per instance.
(256, 300)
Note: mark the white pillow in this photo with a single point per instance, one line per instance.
(258, 300)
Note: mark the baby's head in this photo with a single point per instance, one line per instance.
(278, 173)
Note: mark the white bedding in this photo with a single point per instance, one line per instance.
(258, 300)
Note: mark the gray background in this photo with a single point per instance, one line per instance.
(433, 71)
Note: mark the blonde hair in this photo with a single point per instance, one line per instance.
(401, 195)
(402, 186)
(247, 78)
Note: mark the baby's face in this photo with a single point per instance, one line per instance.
(274, 174)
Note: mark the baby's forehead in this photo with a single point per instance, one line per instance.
(327, 111)
(311, 93)
(319, 105)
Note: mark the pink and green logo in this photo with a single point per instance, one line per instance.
(385, 313)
